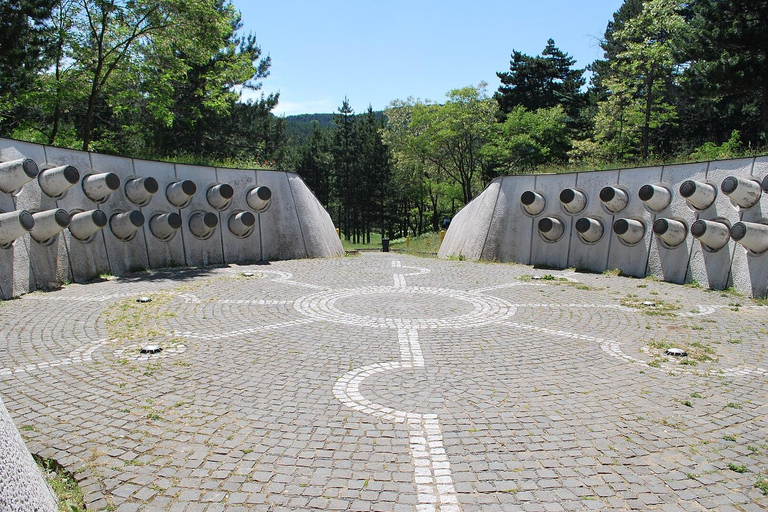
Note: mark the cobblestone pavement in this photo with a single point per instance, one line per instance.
(389, 382)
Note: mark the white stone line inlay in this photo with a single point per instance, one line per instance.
(263, 302)
(434, 482)
(433, 479)
(96, 298)
(241, 332)
(410, 348)
(505, 285)
(613, 349)
(80, 355)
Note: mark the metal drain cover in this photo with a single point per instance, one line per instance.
(143, 300)
(151, 349)
(677, 352)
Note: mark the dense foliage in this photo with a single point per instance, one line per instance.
(162, 78)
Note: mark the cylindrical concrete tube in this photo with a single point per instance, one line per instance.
(711, 233)
(751, 235)
(614, 199)
(551, 228)
(84, 225)
(258, 198)
(573, 200)
(590, 229)
(630, 231)
(744, 192)
(202, 224)
(140, 190)
(15, 224)
(57, 180)
(700, 195)
(241, 223)
(671, 231)
(164, 225)
(655, 197)
(179, 193)
(48, 224)
(219, 195)
(765, 184)
(124, 225)
(533, 202)
(16, 173)
(97, 187)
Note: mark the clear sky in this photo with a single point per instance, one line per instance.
(374, 52)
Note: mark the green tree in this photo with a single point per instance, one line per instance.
(728, 53)
(541, 82)
(642, 79)
(526, 140)
(24, 53)
(448, 137)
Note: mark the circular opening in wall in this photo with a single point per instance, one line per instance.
(583, 225)
(607, 194)
(567, 195)
(30, 167)
(688, 188)
(151, 349)
(738, 231)
(676, 352)
(151, 185)
(264, 193)
(621, 226)
(226, 191)
(729, 184)
(188, 187)
(528, 198)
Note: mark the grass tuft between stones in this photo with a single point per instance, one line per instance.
(64, 485)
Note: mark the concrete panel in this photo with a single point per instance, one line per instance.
(632, 260)
(316, 225)
(160, 253)
(509, 235)
(48, 265)
(713, 268)
(200, 252)
(750, 270)
(469, 237)
(24, 488)
(592, 256)
(281, 236)
(552, 254)
(237, 250)
(124, 255)
(454, 236)
(87, 260)
(671, 263)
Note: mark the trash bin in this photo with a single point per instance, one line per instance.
(385, 244)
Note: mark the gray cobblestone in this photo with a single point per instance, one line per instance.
(542, 395)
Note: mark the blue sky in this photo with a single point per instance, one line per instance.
(375, 52)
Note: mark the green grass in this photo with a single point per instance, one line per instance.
(428, 243)
(63, 484)
(739, 468)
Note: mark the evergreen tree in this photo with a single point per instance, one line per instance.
(728, 50)
(541, 82)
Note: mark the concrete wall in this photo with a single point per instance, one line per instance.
(496, 226)
(22, 486)
(292, 225)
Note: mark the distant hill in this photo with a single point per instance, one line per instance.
(299, 127)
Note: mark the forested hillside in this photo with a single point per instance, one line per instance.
(161, 79)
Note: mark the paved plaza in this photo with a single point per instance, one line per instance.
(390, 382)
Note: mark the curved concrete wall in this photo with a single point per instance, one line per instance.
(71, 215)
(706, 222)
(22, 486)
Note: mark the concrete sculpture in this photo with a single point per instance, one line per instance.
(705, 222)
(71, 215)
